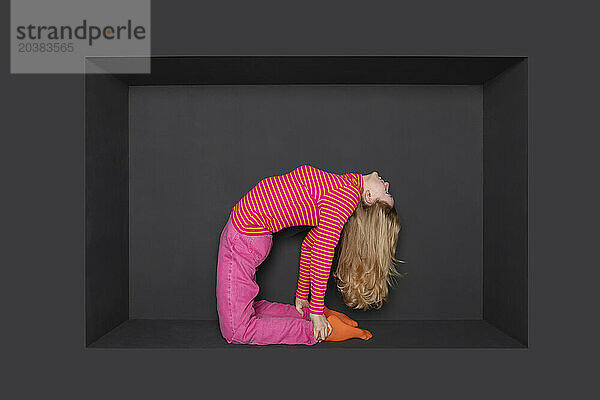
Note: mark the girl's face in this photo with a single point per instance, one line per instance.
(374, 188)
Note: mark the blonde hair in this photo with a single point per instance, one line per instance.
(367, 245)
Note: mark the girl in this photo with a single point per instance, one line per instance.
(356, 210)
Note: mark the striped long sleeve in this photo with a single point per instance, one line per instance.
(305, 196)
(334, 210)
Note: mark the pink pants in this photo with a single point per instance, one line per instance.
(242, 319)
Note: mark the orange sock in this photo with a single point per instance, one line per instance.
(341, 331)
(345, 319)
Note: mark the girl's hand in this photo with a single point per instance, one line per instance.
(301, 304)
(322, 326)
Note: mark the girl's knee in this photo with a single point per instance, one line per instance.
(226, 332)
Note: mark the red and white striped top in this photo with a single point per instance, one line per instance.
(305, 196)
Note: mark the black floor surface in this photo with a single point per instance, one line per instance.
(139, 333)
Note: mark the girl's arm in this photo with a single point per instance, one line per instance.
(303, 289)
(334, 211)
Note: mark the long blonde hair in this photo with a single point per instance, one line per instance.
(367, 245)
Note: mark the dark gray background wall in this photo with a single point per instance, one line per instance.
(196, 150)
(505, 183)
(42, 222)
(106, 204)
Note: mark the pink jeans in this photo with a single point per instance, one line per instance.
(242, 319)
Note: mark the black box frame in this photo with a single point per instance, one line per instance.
(505, 155)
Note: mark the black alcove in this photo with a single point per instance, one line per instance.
(168, 154)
